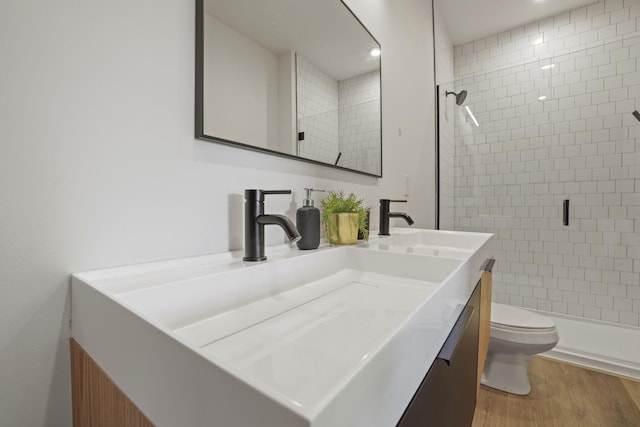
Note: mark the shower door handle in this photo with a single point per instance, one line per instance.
(565, 212)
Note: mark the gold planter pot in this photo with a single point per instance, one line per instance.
(342, 228)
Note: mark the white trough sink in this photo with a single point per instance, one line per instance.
(436, 243)
(337, 336)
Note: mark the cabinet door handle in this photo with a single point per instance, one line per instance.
(448, 350)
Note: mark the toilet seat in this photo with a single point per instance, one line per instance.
(520, 326)
(508, 328)
(530, 337)
(518, 319)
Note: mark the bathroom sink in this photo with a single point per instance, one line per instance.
(335, 336)
(436, 243)
(180, 303)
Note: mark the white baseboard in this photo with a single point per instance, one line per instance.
(603, 346)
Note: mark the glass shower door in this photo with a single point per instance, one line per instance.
(534, 141)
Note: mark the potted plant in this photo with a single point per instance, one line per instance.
(343, 217)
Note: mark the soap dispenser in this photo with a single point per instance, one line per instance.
(308, 222)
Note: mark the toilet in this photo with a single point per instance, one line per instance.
(516, 336)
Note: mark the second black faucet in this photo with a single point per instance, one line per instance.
(385, 215)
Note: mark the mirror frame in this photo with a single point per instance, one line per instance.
(199, 101)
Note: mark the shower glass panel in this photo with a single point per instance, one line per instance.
(551, 131)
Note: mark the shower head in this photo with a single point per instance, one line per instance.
(460, 97)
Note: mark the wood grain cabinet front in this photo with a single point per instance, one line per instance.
(97, 400)
(485, 315)
(447, 395)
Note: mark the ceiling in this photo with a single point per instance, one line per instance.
(469, 20)
(324, 32)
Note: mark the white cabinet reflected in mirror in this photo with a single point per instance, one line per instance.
(297, 78)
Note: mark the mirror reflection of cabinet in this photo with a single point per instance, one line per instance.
(289, 77)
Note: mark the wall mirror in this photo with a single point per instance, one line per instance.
(295, 78)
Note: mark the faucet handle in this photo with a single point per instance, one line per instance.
(258, 195)
(265, 192)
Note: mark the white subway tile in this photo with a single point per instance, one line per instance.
(592, 312)
(628, 318)
(613, 5)
(613, 82)
(601, 20)
(607, 70)
(620, 15)
(610, 315)
(626, 27)
(595, 9)
(631, 279)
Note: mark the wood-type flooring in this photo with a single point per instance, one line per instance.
(562, 395)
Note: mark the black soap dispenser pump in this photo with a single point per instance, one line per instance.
(308, 222)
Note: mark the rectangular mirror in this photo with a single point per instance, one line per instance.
(295, 78)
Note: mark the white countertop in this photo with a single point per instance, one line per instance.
(330, 337)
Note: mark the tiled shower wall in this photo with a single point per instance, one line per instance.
(580, 143)
(602, 22)
(359, 99)
(317, 95)
(339, 117)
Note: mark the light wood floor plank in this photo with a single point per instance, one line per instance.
(633, 388)
(562, 395)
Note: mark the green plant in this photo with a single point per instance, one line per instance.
(336, 202)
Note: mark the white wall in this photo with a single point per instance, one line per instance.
(98, 166)
(403, 28)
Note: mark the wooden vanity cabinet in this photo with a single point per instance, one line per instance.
(97, 400)
(485, 315)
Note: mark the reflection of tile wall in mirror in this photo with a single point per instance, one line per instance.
(248, 82)
(340, 119)
(360, 122)
(318, 103)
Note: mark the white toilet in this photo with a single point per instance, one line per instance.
(516, 336)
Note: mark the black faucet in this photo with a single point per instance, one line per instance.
(255, 220)
(385, 215)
